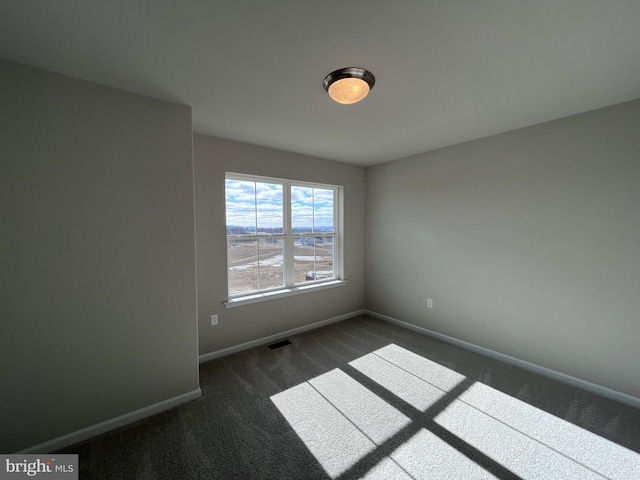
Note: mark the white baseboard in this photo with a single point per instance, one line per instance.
(277, 336)
(532, 367)
(111, 424)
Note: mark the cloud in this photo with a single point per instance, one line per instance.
(248, 203)
(251, 204)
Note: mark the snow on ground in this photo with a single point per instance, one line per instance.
(271, 262)
(277, 261)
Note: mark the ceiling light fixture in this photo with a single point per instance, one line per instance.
(349, 85)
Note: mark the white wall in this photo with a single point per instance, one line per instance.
(97, 267)
(528, 242)
(214, 157)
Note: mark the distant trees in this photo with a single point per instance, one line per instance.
(238, 230)
(244, 230)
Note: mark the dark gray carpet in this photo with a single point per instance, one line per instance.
(471, 417)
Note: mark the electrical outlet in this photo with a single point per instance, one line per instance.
(214, 320)
(429, 302)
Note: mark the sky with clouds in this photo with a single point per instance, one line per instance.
(256, 203)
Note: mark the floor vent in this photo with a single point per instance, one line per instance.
(281, 344)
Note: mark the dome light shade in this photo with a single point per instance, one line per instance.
(349, 85)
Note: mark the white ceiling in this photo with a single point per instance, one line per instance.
(447, 71)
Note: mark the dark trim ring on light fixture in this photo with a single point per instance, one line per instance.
(351, 72)
(354, 92)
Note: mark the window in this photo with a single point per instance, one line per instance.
(281, 234)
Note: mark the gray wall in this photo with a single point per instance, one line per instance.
(528, 242)
(214, 157)
(97, 265)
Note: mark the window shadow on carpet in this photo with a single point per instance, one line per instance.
(395, 414)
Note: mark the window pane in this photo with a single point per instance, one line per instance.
(322, 210)
(243, 265)
(271, 267)
(324, 258)
(302, 209)
(269, 208)
(313, 259)
(304, 259)
(241, 207)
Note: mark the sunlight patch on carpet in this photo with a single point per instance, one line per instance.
(387, 469)
(332, 439)
(414, 379)
(437, 375)
(374, 417)
(338, 419)
(426, 456)
(342, 422)
(532, 443)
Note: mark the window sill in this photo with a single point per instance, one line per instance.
(285, 292)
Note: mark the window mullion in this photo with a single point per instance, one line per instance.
(315, 258)
(258, 263)
(289, 275)
(337, 231)
(313, 212)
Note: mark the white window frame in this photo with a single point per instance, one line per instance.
(288, 236)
